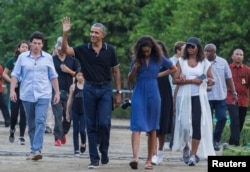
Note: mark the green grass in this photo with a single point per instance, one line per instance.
(243, 149)
(236, 150)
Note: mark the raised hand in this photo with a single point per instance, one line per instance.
(66, 24)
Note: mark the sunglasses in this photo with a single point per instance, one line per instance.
(190, 46)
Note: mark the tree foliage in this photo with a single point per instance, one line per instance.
(156, 17)
(19, 18)
(225, 23)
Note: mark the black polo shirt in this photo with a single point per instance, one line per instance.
(96, 67)
(65, 79)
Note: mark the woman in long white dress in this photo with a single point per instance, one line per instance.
(193, 127)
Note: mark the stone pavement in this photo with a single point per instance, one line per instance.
(61, 159)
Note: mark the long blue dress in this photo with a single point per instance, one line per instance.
(146, 100)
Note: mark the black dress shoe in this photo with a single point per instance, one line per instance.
(104, 159)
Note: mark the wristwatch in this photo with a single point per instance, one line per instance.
(119, 91)
(235, 94)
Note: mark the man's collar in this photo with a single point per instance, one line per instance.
(214, 60)
(41, 54)
(236, 65)
(104, 45)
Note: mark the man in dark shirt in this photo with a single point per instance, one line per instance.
(65, 67)
(238, 110)
(98, 60)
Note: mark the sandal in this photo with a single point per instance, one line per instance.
(134, 165)
(148, 166)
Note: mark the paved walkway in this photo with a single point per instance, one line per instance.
(61, 159)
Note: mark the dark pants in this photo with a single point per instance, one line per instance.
(234, 124)
(171, 142)
(4, 109)
(237, 119)
(17, 107)
(98, 111)
(242, 116)
(219, 109)
(79, 126)
(62, 126)
(196, 117)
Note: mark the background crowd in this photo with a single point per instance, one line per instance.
(175, 96)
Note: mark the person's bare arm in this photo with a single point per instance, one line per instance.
(132, 73)
(6, 76)
(178, 78)
(170, 71)
(66, 25)
(210, 77)
(117, 78)
(13, 83)
(66, 69)
(69, 102)
(56, 89)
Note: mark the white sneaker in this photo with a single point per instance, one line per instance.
(192, 161)
(77, 154)
(160, 155)
(166, 146)
(155, 160)
(21, 141)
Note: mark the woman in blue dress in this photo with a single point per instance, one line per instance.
(146, 101)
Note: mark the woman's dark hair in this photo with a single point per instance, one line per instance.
(164, 48)
(149, 41)
(79, 70)
(17, 52)
(200, 54)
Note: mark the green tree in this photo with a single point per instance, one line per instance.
(22, 17)
(118, 17)
(224, 23)
(19, 18)
(155, 20)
